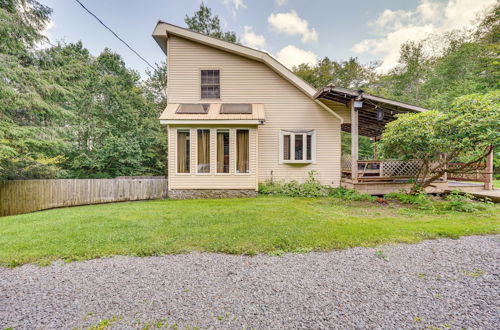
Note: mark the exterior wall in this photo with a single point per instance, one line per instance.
(340, 109)
(248, 81)
(212, 180)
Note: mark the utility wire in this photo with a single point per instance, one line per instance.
(126, 44)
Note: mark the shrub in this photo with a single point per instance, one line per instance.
(462, 202)
(420, 199)
(310, 188)
(351, 195)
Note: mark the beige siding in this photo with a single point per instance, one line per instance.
(248, 81)
(340, 109)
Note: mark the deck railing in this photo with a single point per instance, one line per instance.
(380, 170)
(390, 170)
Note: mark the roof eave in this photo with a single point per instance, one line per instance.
(162, 30)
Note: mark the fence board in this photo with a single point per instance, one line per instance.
(23, 196)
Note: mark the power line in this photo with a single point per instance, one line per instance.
(107, 27)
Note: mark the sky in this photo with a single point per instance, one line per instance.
(293, 31)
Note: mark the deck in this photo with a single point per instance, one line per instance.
(379, 177)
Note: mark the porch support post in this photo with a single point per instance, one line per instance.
(354, 142)
(375, 147)
(488, 180)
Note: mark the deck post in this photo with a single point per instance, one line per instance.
(488, 180)
(354, 142)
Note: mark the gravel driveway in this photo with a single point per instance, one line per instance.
(441, 283)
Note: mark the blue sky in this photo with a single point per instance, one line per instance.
(294, 31)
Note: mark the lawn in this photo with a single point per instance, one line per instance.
(254, 225)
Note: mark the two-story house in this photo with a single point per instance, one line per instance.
(237, 117)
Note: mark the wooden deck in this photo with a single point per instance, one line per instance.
(475, 189)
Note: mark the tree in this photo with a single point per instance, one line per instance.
(348, 74)
(468, 130)
(205, 22)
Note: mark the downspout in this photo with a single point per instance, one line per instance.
(330, 110)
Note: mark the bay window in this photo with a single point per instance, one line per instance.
(297, 146)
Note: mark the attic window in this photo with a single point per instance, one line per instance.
(193, 108)
(236, 108)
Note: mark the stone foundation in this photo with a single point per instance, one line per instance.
(210, 193)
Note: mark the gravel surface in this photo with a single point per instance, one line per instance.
(441, 283)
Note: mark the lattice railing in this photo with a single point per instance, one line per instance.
(472, 172)
(400, 168)
(346, 162)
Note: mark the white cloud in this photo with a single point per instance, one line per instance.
(234, 5)
(281, 2)
(46, 32)
(251, 39)
(395, 27)
(291, 24)
(291, 56)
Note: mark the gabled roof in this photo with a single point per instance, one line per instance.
(163, 30)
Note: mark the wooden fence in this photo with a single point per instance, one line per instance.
(23, 196)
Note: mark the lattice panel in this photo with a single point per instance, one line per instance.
(346, 162)
(473, 172)
(400, 168)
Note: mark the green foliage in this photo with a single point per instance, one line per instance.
(468, 128)
(205, 22)
(65, 113)
(351, 195)
(462, 202)
(348, 74)
(420, 199)
(310, 188)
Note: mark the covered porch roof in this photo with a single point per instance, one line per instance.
(374, 113)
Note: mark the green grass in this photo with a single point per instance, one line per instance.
(496, 183)
(255, 225)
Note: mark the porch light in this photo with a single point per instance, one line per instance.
(358, 104)
(380, 114)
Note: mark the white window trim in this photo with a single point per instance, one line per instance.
(196, 151)
(190, 150)
(236, 150)
(210, 100)
(292, 148)
(228, 130)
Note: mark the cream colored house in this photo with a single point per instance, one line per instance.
(237, 117)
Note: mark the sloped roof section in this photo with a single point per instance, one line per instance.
(163, 30)
(171, 114)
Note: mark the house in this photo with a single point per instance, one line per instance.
(237, 117)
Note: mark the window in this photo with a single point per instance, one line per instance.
(242, 151)
(222, 151)
(203, 151)
(183, 150)
(297, 147)
(193, 108)
(210, 84)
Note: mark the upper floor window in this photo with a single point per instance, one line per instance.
(210, 84)
(297, 147)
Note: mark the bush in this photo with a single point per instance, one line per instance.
(420, 199)
(462, 202)
(351, 195)
(310, 188)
